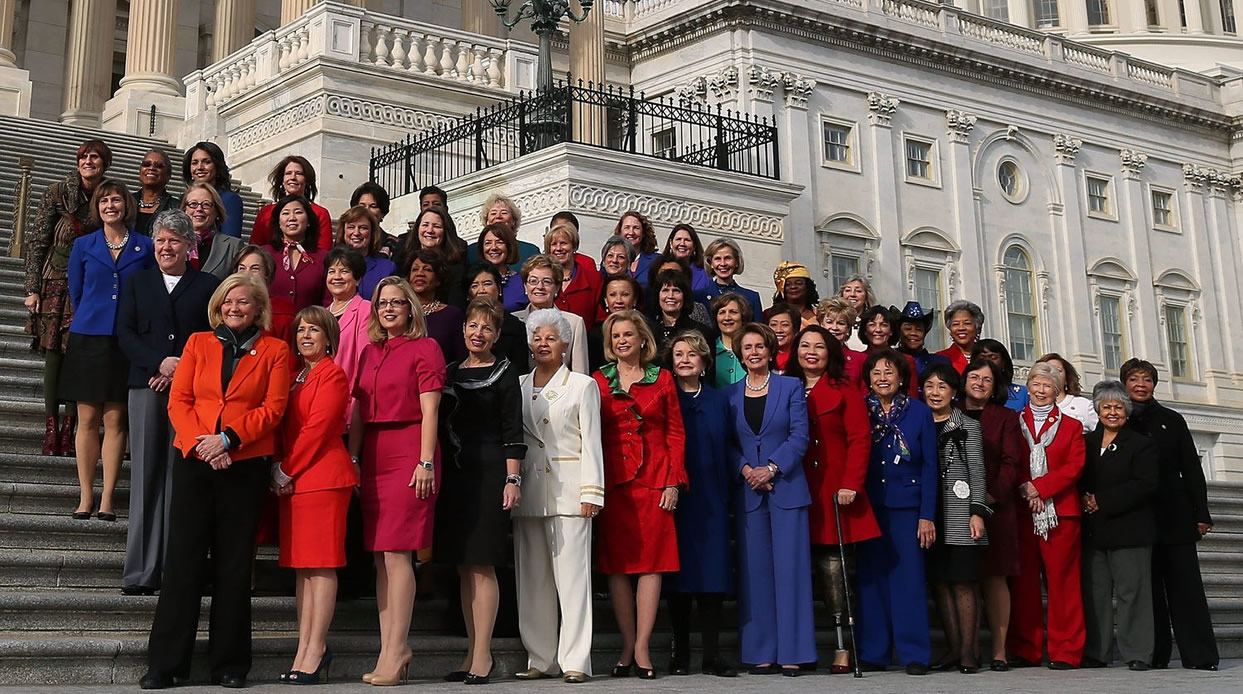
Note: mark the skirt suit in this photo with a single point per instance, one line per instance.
(1005, 468)
(471, 527)
(314, 459)
(644, 449)
(391, 377)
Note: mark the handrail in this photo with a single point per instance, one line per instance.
(21, 200)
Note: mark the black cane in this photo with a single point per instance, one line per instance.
(850, 617)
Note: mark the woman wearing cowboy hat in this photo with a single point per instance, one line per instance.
(913, 324)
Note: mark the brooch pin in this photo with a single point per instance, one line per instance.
(552, 396)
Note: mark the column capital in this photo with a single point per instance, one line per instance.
(1132, 162)
(724, 84)
(960, 124)
(761, 82)
(1066, 148)
(881, 108)
(798, 89)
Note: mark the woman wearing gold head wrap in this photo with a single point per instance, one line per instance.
(796, 288)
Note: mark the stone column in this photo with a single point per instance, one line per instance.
(1238, 17)
(1133, 209)
(1195, 19)
(587, 65)
(149, 47)
(88, 60)
(1068, 233)
(1132, 18)
(14, 82)
(1019, 12)
(291, 10)
(478, 17)
(886, 172)
(1075, 17)
(8, 9)
(959, 125)
(234, 27)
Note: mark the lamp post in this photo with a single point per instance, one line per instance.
(545, 15)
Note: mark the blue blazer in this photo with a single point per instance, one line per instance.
(233, 213)
(709, 293)
(907, 483)
(96, 282)
(153, 323)
(782, 441)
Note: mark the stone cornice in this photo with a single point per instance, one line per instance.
(940, 53)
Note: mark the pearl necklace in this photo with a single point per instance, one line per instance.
(762, 386)
(117, 246)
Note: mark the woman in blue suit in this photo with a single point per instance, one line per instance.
(774, 543)
(95, 371)
(902, 484)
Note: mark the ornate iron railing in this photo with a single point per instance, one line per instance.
(611, 118)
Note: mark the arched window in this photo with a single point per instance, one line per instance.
(1020, 305)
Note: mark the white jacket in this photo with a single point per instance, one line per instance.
(564, 464)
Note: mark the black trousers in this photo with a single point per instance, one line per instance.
(214, 511)
(1178, 599)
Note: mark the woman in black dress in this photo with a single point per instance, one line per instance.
(484, 279)
(478, 492)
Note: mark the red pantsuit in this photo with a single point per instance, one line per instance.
(1057, 558)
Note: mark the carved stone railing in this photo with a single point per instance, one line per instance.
(337, 32)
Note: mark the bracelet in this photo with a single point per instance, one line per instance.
(515, 480)
(225, 440)
(773, 469)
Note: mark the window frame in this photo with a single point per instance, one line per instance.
(1183, 308)
(1111, 211)
(1118, 301)
(1023, 188)
(668, 152)
(1042, 22)
(852, 256)
(1034, 294)
(936, 339)
(933, 180)
(1174, 226)
(1105, 7)
(853, 161)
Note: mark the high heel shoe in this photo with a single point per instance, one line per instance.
(472, 678)
(300, 677)
(367, 676)
(400, 676)
(620, 670)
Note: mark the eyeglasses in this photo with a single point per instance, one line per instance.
(393, 303)
(540, 282)
(200, 205)
(150, 164)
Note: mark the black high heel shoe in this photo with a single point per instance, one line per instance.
(646, 673)
(456, 676)
(321, 672)
(620, 670)
(472, 678)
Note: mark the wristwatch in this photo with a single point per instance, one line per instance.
(427, 465)
(773, 469)
(515, 480)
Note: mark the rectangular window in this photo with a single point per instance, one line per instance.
(1163, 209)
(1111, 332)
(1153, 12)
(1098, 195)
(1228, 19)
(1098, 12)
(665, 143)
(842, 267)
(1021, 314)
(1046, 14)
(996, 9)
(918, 160)
(1176, 338)
(928, 294)
(837, 144)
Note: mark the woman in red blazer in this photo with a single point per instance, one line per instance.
(226, 402)
(1005, 468)
(835, 465)
(644, 470)
(581, 284)
(1049, 532)
(315, 480)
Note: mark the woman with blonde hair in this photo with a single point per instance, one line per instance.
(857, 291)
(723, 262)
(501, 209)
(392, 437)
(226, 402)
(581, 282)
(214, 251)
(838, 316)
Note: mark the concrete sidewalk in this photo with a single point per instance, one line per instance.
(1114, 680)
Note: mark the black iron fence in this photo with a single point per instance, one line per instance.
(612, 118)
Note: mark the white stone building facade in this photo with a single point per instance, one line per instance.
(1077, 178)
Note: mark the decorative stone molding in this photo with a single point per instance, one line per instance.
(276, 123)
(761, 82)
(611, 203)
(798, 89)
(881, 108)
(960, 124)
(1012, 132)
(1132, 162)
(724, 84)
(361, 110)
(695, 91)
(1217, 181)
(1066, 148)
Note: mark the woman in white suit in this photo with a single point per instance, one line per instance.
(562, 490)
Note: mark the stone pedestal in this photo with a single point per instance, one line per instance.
(14, 82)
(148, 81)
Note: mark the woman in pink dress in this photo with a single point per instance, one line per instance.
(393, 427)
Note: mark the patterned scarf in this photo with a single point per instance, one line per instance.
(287, 256)
(885, 430)
(1038, 462)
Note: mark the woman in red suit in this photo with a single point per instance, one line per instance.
(835, 465)
(396, 411)
(315, 480)
(293, 175)
(1005, 455)
(1049, 533)
(299, 264)
(226, 402)
(644, 468)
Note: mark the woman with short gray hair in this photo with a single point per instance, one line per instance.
(1119, 529)
(963, 320)
(616, 255)
(152, 334)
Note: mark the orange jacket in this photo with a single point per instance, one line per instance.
(252, 407)
(314, 454)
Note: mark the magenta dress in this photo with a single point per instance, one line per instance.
(391, 377)
(304, 285)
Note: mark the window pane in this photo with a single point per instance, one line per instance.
(665, 143)
(928, 294)
(998, 9)
(836, 143)
(1227, 17)
(1098, 12)
(917, 158)
(1020, 305)
(1111, 332)
(1162, 208)
(1008, 178)
(1098, 195)
(1046, 14)
(843, 267)
(1176, 338)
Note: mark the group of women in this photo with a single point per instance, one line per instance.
(813, 449)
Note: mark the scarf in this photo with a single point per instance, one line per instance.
(1038, 462)
(287, 255)
(1040, 413)
(885, 430)
(235, 345)
(1139, 409)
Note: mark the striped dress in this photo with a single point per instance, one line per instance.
(960, 448)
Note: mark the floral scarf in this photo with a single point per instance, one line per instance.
(287, 255)
(885, 430)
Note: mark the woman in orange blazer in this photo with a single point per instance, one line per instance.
(226, 402)
(836, 466)
(315, 480)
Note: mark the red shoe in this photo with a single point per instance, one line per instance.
(840, 669)
(67, 446)
(51, 444)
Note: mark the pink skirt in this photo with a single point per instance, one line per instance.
(394, 518)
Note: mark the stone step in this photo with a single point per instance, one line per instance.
(21, 437)
(54, 499)
(1225, 522)
(1223, 585)
(29, 531)
(68, 569)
